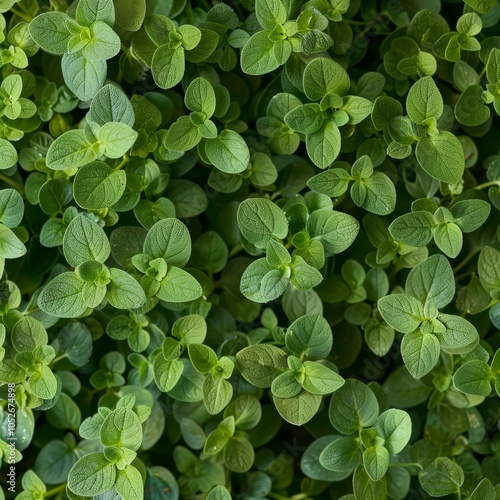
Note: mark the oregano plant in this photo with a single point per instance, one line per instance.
(249, 249)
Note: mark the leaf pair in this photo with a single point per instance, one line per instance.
(85, 44)
(372, 190)
(354, 409)
(69, 294)
(446, 226)
(429, 287)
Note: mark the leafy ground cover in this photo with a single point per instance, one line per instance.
(249, 249)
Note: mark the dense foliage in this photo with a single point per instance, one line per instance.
(249, 249)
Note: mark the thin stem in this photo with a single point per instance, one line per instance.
(58, 358)
(470, 256)
(22, 15)
(483, 71)
(55, 491)
(406, 464)
(236, 249)
(355, 23)
(11, 182)
(488, 184)
(123, 162)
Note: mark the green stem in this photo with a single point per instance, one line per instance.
(488, 184)
(55, 491)
(22, 15)
(406, 464)
(58, 358)
(236, 249)
(464, 262)
(11, 182)
(123, 162)
(483, 71)
(355, 23)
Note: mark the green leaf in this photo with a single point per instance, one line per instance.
(124, 292)
(89, 11)
(10, 245)
(380, 195)
(323, 146)
(179, 286)
(261, 55)
(49, 30)
(420, 352)
(169, 239)
(333, 182)
(104, 43)
(202, 357)
(474, 377)
(259, 364)
(97, 186)
(376, 462)
(270, 13)
(482, 6)
(353, 407)
(200, 97)
(217, 394)
(110, 104)
(323, 76)
(394, 426)
(470, 214)
(449, 239)
(299, 409)
(121, 427)
(129, 483)
(424, 101)
(182, 135)
(62, 297)
(341, 455)
(116, 138)
(415, 228)
(92, 475)
(403, 312)
(305, 119)
(85, 240)
(228, 152)
(442, 477)
(335, 230)
(168, 66)
(219, 493)
(320, 380)
(309, 335)
(8, 155)
(260, 220)
(366, 488)
(442, 157)
(84, 77)
(69, 150)
(460, 336)
(484, 490)
(432, 279)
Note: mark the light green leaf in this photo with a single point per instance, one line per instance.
(8, 154)
(89, 11)
(333, 182)
(261, 55)
(473, 377)
(168, 66)
(117, 138)
(376, 462)
(50, 32)
(424, 101)
(260, 220)
(84, 77)
(442, 157)
(442, 477)
(432, 279)
(403, 312)
(299, 409)
(366, 488)
(169, 239)
(200, 97)
(92, 475)
(310, 335)
(420, 352)
(97, 186)
(341, 455)
(124, 292)
(228, 152)
(121, 427)
(324, 76)
(182, 135)
(270, 13)
(394, 426)
(449, 239)
(217, 394)
(460, 336)
(415, 228)
(179, 286)
(259, 364)
(323, 146)
(10, 245)
(353, 407)
(470, 214)
(62, 297)
(69, 150)
(320, 380)
(85, 240)
(129, 483)
(110, 104)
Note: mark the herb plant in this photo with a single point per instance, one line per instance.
(249, 249)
